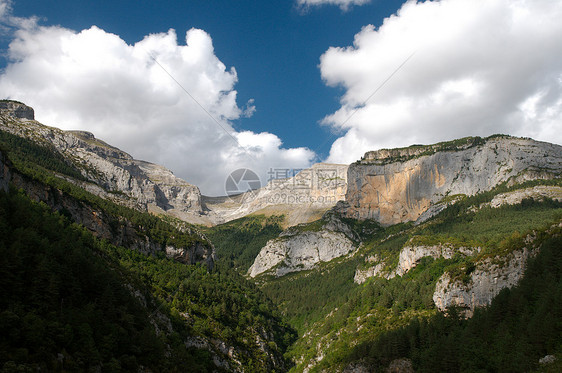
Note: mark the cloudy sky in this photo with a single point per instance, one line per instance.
(205, 87)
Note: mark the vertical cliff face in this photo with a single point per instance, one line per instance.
(393, 186)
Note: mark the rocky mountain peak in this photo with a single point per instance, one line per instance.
(16, 109)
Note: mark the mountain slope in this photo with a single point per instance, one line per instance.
(191, 316)
(105, 170)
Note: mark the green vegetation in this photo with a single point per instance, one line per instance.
(238, 242)
(487, 227)
(28, 156)
(71, 302)
(67, 302)
(520, 326)
(332, 313)
(416, 151)
(37, 162)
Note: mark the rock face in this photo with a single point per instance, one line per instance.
(142, 185)
(486, 281)
(399, 185)
(16, 109)
(302, 198)
(111, 174)
(297, 250)
(539, 192)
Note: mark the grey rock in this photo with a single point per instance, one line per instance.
(301, 251)
(392, 187)
(134, 183)
(16, 109)
(486, 281)
(409, 258)
(402, 365)
(548, 359)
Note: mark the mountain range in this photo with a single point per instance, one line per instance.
(410, 259)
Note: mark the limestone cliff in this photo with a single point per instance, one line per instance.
(301, 198)
(399, 185)
(299, 249)
(486, 281)
(489, 276)
(16, 109)
(110, 172)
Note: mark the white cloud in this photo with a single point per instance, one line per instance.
(480, 67)
(343, 4)
(95, 81)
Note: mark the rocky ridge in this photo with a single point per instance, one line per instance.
(301, 198)
(399, 185)
(120, 232)
(110, 172)
(410, 257)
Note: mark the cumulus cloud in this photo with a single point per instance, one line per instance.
(126, 95)
(479, 67)
(343, 4)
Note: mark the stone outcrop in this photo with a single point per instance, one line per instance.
(138, 184)
(16, 110)
(297, 249)
(299, 252)
(399, 185)
(410, 257)
(486, 281)
(538, 193)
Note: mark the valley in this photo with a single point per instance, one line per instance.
(444, 257)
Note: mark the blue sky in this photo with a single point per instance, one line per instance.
(275, 47)
(287, 81)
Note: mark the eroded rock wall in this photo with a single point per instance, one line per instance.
(396, 186)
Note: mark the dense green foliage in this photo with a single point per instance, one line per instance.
(65, 292)
(520, 326)
(219, 304)
(238, 242)
(59, 296)
(487, 227)
(37, 163)
(325, 304)
(27, 156)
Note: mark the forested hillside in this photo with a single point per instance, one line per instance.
(90, 283)
(342, 323)
(72, 301)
